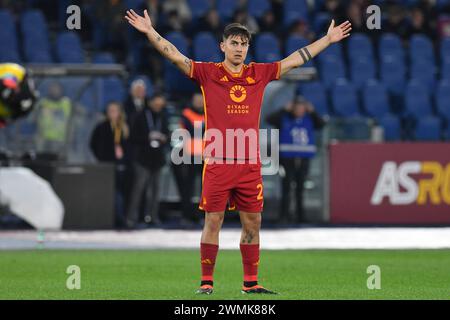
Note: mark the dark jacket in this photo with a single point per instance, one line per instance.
(102, 144)
(274, 119)
(144, 122)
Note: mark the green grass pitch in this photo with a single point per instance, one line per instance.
(174, 274)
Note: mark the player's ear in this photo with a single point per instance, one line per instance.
(222, 46)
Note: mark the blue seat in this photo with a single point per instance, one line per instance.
(420, 49)
(393, 74)
(443, 99)
(198, 8)
(134, 4)
(294, 10)
(375, 99)
(359, 45)
(104, 58)
(68, 48)
(390, 45)
(428, 129)
(361, 70)
(331, 69)
(36, 45)
(345, 99)
(321, 22)
(315, 93)
(445, 49)
(9, 51)
(37, 51)
(111, 89)
(445, 68)
(391, 126)
(295, 42)
(257, 8)
(417, 100)
(206, 48)
(226, 9)
(424, 71)
(267, 48)
(335, 50)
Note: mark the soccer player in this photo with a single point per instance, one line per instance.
(232, 93)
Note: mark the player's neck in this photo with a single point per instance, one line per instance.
(232, 67)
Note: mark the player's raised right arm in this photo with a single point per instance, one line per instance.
(167, 49)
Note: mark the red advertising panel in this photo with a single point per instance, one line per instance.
(400, 183)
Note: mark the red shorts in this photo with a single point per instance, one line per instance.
(238, 185)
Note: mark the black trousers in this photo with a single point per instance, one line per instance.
(296, 170)
(186, 176)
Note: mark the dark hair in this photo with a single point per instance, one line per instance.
(237, 29)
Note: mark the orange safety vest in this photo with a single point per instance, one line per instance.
(194, 144)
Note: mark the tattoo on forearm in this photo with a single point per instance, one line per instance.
(158, 38)
(304, 53)
(166, 50)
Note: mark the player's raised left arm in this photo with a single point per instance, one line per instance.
(303, 55)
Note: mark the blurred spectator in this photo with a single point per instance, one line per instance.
(192, 120)
(149, 136)
(336, 10)
(419, 25)
(180, 7)
(172, 23)
(296, 123)
(268, 23)
(301, 28)
(135, 101)
(112, 31)
(396, 22)
(355, 15)
(241, 16)
(211, 23)
(53, 118)
(109, 143)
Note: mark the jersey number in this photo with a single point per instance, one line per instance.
(260, 194)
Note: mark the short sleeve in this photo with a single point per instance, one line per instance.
(268, 71)
(199, 71)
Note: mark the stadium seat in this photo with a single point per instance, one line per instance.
(393, 74)
(104, 58)
(359, 45)
(198, 8)
(391, 126)
(345, 99)
(267, 48)
(34, 30)
(330, 70)
(443, 100)
(445, 49)
(375, 99)
(134, 4)
(321, 22)
(390, 45)
(295, 42)
(68, 48)
(417, 100)
(315, 93)
(294, 10)
(205, 47)
(257, 8)
(226, 9)
(111, 89)
(361, 70)
(420, 49)
(428, 129)
(335, 50)
(9, 50)
(424, 71)
(445, 68)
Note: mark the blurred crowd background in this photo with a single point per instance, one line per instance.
(396, 78)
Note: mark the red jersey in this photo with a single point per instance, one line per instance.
(233, 101)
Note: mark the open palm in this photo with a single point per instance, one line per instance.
(143, 24)
(340, 32)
